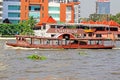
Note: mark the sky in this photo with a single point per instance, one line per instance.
(88, 7)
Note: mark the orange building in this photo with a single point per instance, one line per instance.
(60, 11)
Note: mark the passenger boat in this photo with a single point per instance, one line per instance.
(105, 29)
(64, 42)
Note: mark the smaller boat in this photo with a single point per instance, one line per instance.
(56, 43)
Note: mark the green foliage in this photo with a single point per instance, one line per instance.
(24, 28)
(82, 53)
(36, 57)
(31, 22)
(28, 26)
(84, 19)
(116, 18)
(8, 29)
(71, 27)
(99, 17)
(107, 17)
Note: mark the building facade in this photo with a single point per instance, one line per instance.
(60, 10)
(103, 7)
(1, 10)
(11, 10)
(54, 10)
(77, 13)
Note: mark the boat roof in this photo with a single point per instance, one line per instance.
(36, 37)
(89, 38)
(80, 24)
(51, 38)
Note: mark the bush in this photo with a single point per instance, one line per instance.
(36, 57)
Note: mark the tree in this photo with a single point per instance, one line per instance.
(99, 17)
(8, 29)
(116, 18)
(83, 19)
(6, 20)
(27, 26)
(32, 22)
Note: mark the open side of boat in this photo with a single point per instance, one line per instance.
(56, 43)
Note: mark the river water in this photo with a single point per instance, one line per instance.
(71, 64)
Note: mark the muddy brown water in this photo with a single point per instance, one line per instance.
(74, 64)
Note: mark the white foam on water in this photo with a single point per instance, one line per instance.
(24, 48)
(117, 48)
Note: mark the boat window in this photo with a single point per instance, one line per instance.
(44, 27)
(91, 42)
(48, 41)
(98, 35)
(66, 36)
(113, 29)
(23, 39)
(58, 26)
(118, 35)
(52, 35)
(100, 29)
(83, 43)
(52, 26)
(75, 42)
(84, 35)
(36, 41)
(90, 34)
(37, 28)
(107, 28)
(19, 38)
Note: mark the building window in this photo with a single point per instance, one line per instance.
(0, 14)
(42, 15)
(1, 3)
(13, 7)
(14, 21)
(34, 8)
(13, 14)
(25, 15)
(55, 15)
(1, 9)
(0, 21)
(54, 8)
(25, 7)
(25, 0)
(42, 8)
(34, 14)
(68, 9)
(42, 1)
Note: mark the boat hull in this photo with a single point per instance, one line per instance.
(60, 46)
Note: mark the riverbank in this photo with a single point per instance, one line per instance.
(7, 38)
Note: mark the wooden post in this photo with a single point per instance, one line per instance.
(52, 42)
(58, 42)
(102, 42)
(31, 40)
(40, 41)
